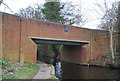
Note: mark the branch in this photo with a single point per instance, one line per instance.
(1, 1)
(6, 6)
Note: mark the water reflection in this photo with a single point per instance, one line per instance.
(75, 71)
(58, 71)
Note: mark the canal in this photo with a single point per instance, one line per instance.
(72, 71)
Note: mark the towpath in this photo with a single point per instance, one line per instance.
(46, 72)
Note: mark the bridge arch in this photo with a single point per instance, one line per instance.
(70, 48)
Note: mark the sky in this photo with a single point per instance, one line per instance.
(87, 5)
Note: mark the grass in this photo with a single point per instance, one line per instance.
(50, 65)
(26, 72)
(17, 71)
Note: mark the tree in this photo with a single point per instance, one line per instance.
(109, 20)
(28, 12)
(110, 17)
(5, 5)
(118, 19)
(73, 14)
(51, 12)
(31, 12)
(65, 13)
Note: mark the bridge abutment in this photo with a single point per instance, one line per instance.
(74, 54)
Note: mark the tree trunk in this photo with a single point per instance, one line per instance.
(111, 42)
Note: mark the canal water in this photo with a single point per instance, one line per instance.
(76, 71)
(66, 70)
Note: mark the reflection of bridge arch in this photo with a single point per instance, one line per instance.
(17, 45)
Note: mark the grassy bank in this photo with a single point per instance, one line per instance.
(12, 70)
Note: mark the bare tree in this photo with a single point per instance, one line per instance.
(109, 20)
(118, 18)
(5, 5)
(31, 12)
(73, 14)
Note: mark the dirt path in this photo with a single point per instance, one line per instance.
(45, 72)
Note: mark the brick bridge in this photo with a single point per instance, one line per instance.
(19, 38)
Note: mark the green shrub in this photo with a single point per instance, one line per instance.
(4, 64)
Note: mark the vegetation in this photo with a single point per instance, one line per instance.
(118, 19)
(73, 14)
(60, 12)
(5, 5)
(51, 12)
(110, 22)
(110, 16)
(12, 70)
(50, 65)
(31, 12)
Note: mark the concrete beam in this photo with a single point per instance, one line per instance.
(40, 40)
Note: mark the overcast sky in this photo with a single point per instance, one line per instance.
(87, 5)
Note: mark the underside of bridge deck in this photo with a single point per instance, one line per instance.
(40, 40)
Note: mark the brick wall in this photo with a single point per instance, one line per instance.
(0, 35)
(17, 46)
(11, 37)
